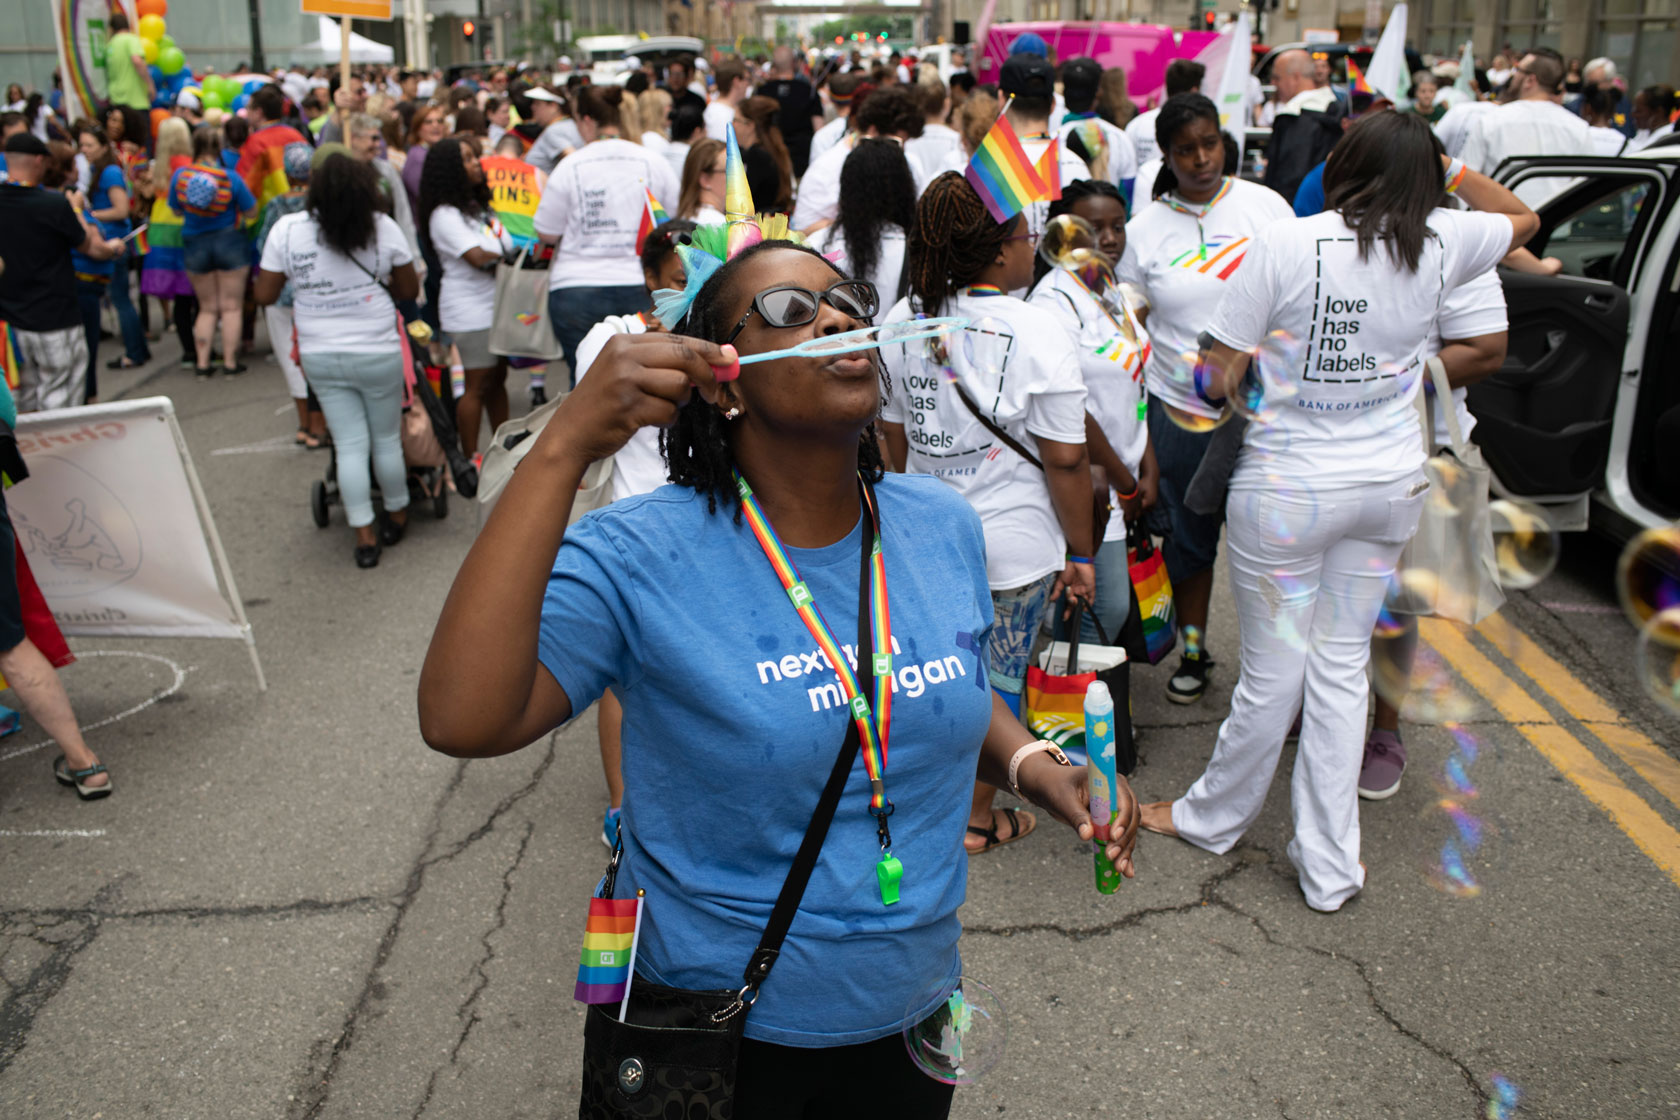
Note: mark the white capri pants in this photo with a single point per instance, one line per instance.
(279, 321)
(1309, 572)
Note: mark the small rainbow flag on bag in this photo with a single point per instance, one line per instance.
(609, 950)
(1003, 176)
(653, 215)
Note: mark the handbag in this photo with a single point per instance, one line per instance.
(676, 1051)
(520, 324)
(1151, 629)
(1101, 506)
(1454, 539)
(1055, 702)
(511, 443)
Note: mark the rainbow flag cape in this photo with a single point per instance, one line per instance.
(1002, 175)
(609, 950)
(653, 215)
(514, 195)
(9, 355)
(1356, 78)
(262, 164)
(1050, 174)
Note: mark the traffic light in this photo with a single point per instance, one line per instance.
(1208, 20)
(467, 29)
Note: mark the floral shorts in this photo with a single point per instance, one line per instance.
(1018, 614)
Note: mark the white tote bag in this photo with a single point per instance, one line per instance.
(512, 441)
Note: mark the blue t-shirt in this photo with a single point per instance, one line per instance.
(194, 225)
(1309, 196)
(99, 198)
(732, 722)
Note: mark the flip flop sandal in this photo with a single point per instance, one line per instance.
(302, 437)
(991, 834)
(68, 777)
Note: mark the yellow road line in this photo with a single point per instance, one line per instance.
(1630, 745)
(1654, 836)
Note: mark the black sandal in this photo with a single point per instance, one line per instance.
(68, 777)
(991, 834)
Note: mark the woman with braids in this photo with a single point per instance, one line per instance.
(732, 716)
(1326, 493)
(877, 213)
(1112, 346)
(999, 416)
(349, 265)
(1181, 249)
(457, 226)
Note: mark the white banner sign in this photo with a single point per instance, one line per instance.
(116, 528)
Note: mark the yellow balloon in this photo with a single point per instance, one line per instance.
(149, 48)
(152, 27)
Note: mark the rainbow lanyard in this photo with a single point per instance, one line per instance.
(1136, 357)
(985, 290)
(1207, 207)
(873, 723)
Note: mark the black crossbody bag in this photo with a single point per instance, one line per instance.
(676, 1052)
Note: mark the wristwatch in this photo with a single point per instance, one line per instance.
(1028, 751)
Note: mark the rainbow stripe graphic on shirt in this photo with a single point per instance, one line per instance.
(608, 955)
(1224, 253)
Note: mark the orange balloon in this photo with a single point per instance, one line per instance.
(158, 117)
(159, 8)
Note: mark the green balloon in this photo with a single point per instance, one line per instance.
(212, 99)
(230, 90)
(166, 42)
(170, 60)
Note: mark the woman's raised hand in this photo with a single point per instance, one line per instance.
(638, 381)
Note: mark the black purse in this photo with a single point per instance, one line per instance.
(675, 1054)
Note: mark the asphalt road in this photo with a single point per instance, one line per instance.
(292, 908)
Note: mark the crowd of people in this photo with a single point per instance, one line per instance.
(691, 217)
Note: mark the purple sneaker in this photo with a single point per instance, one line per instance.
(1385, 761)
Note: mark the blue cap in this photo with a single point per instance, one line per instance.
(1030, 42)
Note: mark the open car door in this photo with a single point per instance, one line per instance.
(1544, 421)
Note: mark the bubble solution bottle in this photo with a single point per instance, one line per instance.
(1101, 779)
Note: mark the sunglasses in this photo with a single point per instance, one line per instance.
(788, 305)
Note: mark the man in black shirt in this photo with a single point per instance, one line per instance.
(801, 114)
(38, 230)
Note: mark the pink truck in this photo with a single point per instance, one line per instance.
(1142, 50)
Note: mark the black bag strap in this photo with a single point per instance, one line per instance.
(805, 862)
(1009, 441)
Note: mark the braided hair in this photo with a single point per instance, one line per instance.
(1072, 194)
(697, 446)
(1180, 110)
(954, 240)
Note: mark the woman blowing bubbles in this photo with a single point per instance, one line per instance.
(730, 723)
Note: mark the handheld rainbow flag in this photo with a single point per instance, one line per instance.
(9, 355)
(1356, 78)
(1001, 173)
(1050, 175)
(609, 950)
(653, 215)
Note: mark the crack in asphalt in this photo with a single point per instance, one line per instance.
(1208, 895)
(258, 910)
(46, 980)
(480, 970)
(327, 1055)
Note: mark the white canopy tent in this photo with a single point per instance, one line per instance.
(325, 50)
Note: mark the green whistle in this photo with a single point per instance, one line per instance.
(889, 871)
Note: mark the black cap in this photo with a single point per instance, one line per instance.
(1026, 75)
(25, 144)
(1081, 75)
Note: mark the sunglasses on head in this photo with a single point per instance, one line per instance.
(788, 305)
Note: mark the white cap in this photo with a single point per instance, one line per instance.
(188, 99)
(565, 60)
(632, 62)
(700, 63)
(540, 94)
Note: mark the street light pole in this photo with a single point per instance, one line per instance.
(256, 36)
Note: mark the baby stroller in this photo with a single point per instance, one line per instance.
(430, 446)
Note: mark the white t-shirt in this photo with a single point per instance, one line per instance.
(1609, 142)
(1454, 126)
(336, 305)
(1525, 128)
(719, 116)
(709, 215)
(467, 296)
(1112, 152)
(638, 468)
(937, 150)
(827, 136)
(1144, 184)
(676, 154)
(552, 143)
(819, 190)
(889, 263)
(594, 204)
(1110, 363)
(1475, 307)
(1365, 326)
(655, 142)
(1163, 261)
(1141, 131)
(1644, 137)
(1019, 367)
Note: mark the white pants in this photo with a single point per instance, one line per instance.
(1309, 572)
(280, 338)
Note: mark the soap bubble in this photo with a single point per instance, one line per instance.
(1525, 544)
(1502, 1102)
(1467, 846)
(1272, 380)
(1657, 658)
(1648, 574)
(983, 348)
(1185, 373)
(1417, 681)
(962, 1038)
(1448, 481)
(1070, 242)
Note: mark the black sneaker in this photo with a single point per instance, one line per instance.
(539, 396)
(1188, 684)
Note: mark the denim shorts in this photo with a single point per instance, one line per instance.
(1192, 540)
(221, 251)
(1017, 615)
